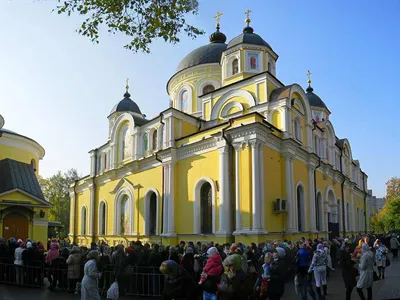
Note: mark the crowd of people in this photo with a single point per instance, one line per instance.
(202, 270)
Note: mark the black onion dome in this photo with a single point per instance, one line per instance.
(126, 104)
(314, 99)
(248, 37)
(206, 54)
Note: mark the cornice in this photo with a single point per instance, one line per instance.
(197, 148)
(22, 143)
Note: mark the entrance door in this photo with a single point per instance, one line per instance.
(15, 225)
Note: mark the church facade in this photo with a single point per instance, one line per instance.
(238, 156)
(23, 208)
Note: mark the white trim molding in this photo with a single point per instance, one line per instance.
(229, 95)
(147, 212)
(124, 191)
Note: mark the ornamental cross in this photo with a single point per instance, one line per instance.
(127, 84)
(247, 13)
(308, 76)
(217, 17)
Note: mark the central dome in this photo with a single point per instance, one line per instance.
(248, 37)
(314, 99)
(206, 54)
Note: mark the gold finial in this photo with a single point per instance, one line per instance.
(309, 77)
(217, 18)
(127, 85)
(248, 20)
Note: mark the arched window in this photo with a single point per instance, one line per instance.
(105, 161)
(124, 213)
(270, 67)
(184, 101)
(33, 164)
(318, 218)
(154, 140)
(124, 143)
(145, 143)
(300, 212)
(206, 208)
(348, 216)
(83, 221)
(235, 66)
(208, 88)
(153, 214)
(297, 129)
(316, 145)
(102, 218)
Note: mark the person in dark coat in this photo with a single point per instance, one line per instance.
(179, 285)
(349, 272)
(188, 261)
(276, 286)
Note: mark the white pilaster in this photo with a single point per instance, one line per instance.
(136, 146)
(237, 189)
(308, 128)
(165, 201)
(224, 197)
(261, 187)
(72, 214)
(171, 201)
(352, 212)
(291, 204)
(91, 209)
(93, 163)
(286, 120)
(311, 197)
(255, 188)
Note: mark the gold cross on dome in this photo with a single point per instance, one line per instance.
(308, 76)
(247, 13)
(217, 17)
(127, 85)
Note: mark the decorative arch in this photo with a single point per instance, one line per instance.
(229, 64)
(229, 95)
(197, 204)
(200, 87)
(84, 220)
(229, 106)
(124, 193)
(148, 213)
(297, 102)
(103, 216)
(153, 138)
(301, 206)
(189, 90)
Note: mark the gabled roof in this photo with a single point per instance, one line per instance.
(15, 175)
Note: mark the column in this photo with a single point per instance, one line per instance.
(224, 197)
(171, 204)
(237, 189)
(165, 200)
(286, 120)
(136, 148)
(290, 217)
(72, 214)
(91, 208)
(112, 156)
(311, 197)
(352, 212)
(261, 187)
(255, 189)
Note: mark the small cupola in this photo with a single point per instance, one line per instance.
(127, 104)
(320, 111)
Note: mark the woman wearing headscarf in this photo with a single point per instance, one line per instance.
(178, 284)
(89, 289)
(366, 269)
(73, 273)
(173, 254)
(349, 272)
(318, 266)
(276, 286)
(380, 257)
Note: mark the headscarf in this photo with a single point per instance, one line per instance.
(28, 245)
(233, 249)
(212, 251)
(320, 247)
(364, 248)
(75, 249)
(170, 268)
(235, 261)
(190, 250)
(93, 254)
(54, 246)
(281, 252)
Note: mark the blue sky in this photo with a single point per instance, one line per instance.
(58, 88)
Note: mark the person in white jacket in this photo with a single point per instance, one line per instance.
(19, 263)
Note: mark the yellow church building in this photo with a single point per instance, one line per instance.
(238, 156)
(23, 208)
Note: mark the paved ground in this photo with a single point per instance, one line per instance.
(388, 289)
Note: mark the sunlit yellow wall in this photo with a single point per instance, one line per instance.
(18, 155)
(188, 129)
(245, 187)
(270, 88)
(187, 173)
(273, 189)
(277, 119)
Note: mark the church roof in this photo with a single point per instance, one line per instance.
(126, 104)
(19, 175)
(248, 37)
(314, 99)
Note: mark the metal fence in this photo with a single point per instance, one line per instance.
(144, 281)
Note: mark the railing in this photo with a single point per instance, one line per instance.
(145, 281)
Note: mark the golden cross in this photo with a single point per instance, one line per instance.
(217, 17)
(247, 13)
(127, 84)
(309, 76)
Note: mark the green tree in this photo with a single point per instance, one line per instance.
(142, 20)
(377, 224)
(56, 191)
(392, 188)
(391, 217)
